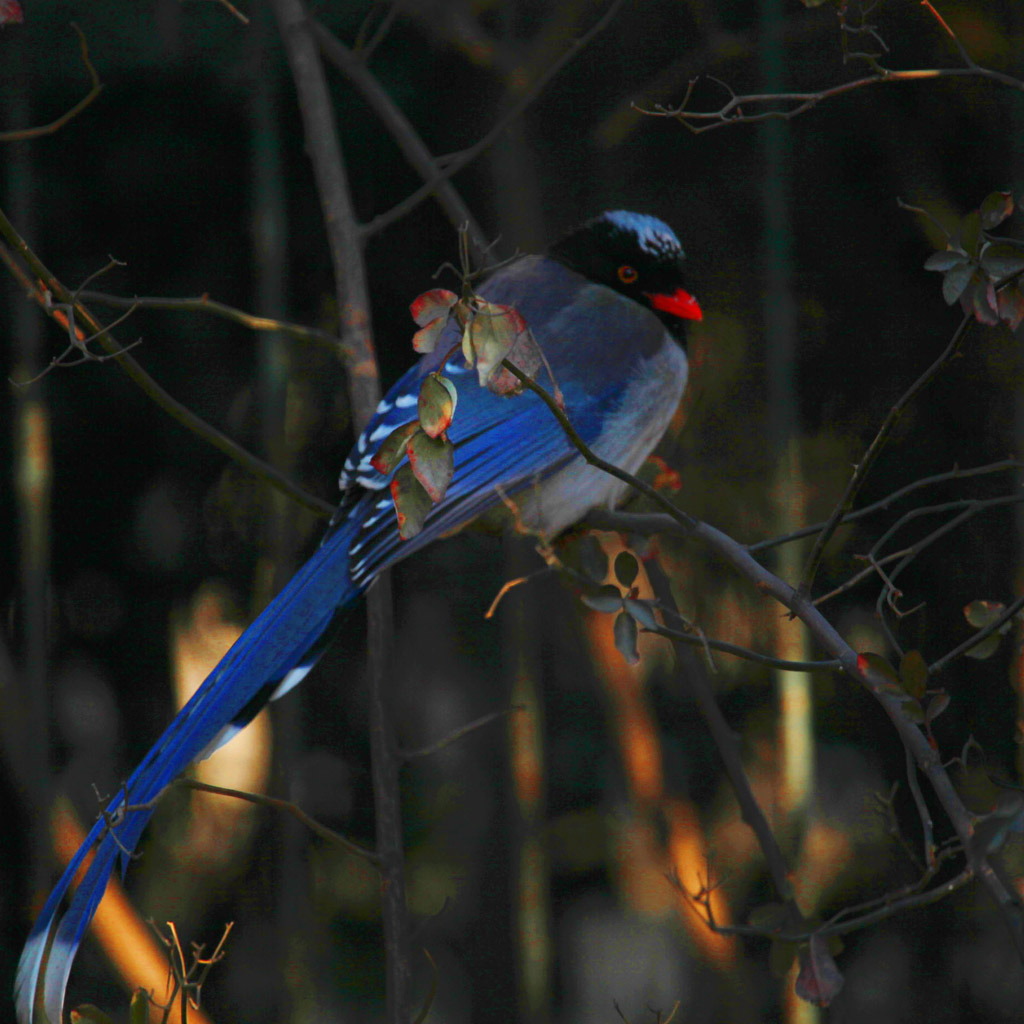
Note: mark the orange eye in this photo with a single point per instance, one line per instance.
(627, 275)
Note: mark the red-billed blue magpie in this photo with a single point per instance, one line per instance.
(608, 307)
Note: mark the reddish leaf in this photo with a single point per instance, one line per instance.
(493, 333)
(985, 306)
(1011, 306)
(625, 637)
(936, 706)
(433, 462)
(995, 209)
(430, 305)
(436, 404)
(391, 452)
(819, 980)
(11, 13)
(525, 355)
(412, 503)
(983, 613)
(425, 339)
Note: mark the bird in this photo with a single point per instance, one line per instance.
(609, 309)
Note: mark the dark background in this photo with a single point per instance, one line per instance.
(195, 147)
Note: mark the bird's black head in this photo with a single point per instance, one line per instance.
(637, 255)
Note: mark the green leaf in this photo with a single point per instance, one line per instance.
(626, 568)
(936, 706)
(432, 460)
(392, 451)
(999, 260)
(412, 503)
(995, 209)
(603, 599)
(968, 233)
(138, 1008)
(430, 305)
(983, 613)
(945, 260)
(641, 611)
(625, 637)
(876, 663)
(437, 402)
(984, 648)
(914, 674)
(956, 280)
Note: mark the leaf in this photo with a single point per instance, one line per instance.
(914, 674)
(983, 613)
(392, 451)
(425, 339)
(430, 305)
(138, 1008)
(432, 460)
(995, 209)
(819, 980)
(626, 568)
(1011, 306)
(641, 611)
(593, 560)
(984, 648)
(493, 333)
(11, 12)
(876, 663)
(956, 280)
(968, 233)
(89, 1014)
(625, 637)
(945, 260)
(985, 306)
(437, 402)
(525, 355)
(412, 503)
(936, 706)
(999, 260)
(604, 599)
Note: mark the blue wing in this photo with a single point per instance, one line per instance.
(511, 444)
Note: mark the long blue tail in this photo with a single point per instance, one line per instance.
(256, 668)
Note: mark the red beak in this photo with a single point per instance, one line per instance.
(680, 303)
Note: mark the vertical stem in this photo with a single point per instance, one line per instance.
(324, 149)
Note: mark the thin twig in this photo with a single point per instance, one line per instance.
(55, 126)
(874, 449)
(261, 800)
(743, 652)
(264, 471)
(204, 304)
(455, 162)
(457, 734)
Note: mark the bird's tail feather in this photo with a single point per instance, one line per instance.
(251, 672)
